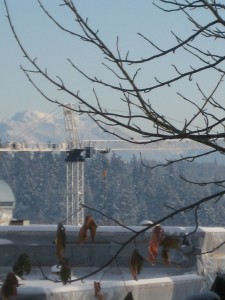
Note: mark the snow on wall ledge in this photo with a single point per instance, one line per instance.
(189, 271)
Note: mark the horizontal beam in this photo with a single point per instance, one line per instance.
(103, 145)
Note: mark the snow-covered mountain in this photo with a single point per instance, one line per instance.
(43, 128)
(40, 127)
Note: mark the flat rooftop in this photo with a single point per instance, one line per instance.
(187, 273)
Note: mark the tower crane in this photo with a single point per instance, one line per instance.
(75, 157)
(77, 151)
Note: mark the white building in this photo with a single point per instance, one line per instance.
(7, 203)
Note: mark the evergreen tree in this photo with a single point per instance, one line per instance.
(127, 191)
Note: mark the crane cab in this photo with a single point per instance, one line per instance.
(75, 155)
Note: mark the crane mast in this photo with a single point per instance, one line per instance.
(74, 170)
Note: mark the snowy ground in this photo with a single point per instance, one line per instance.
(156, 283)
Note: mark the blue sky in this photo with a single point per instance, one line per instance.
(43, 40)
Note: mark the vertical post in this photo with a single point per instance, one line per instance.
(75, 192)
(80, 194)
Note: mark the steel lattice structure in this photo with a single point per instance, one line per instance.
(74, 170)
(75, 193)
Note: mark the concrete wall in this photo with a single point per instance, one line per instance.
(189, 271)
(39, 242)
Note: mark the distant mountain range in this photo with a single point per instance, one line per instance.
(39, 127)
(42, 128)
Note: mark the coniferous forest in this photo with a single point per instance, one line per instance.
(125, 190)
